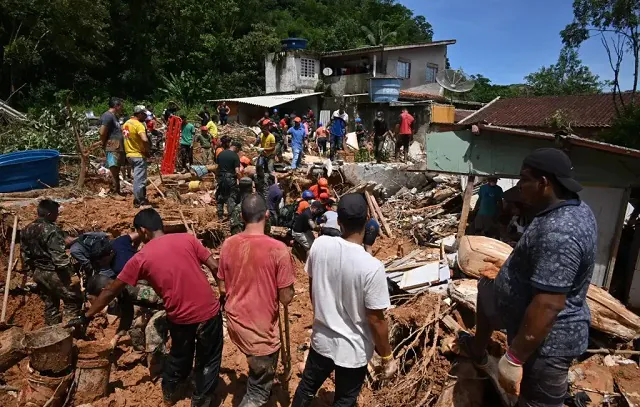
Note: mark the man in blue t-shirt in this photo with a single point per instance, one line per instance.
(338, 129)
(488, 208)
(298, 135)
(539, 295)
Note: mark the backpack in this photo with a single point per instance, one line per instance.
(288, 215)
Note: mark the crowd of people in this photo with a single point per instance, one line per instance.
(539, 296)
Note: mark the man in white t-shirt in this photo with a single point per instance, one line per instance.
(349, 294)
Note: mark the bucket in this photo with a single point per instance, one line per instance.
(92, 380)
(41, 389)
(50, 349)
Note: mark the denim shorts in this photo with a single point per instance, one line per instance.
(114, 158)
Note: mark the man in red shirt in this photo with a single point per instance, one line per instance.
(405, 135)
(172, 266)
(255, 273)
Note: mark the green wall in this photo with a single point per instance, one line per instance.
(502, 154)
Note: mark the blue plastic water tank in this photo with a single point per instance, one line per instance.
(20, 171)
(384, 89)
(289, 44)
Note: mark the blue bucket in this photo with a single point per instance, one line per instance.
(21, 171)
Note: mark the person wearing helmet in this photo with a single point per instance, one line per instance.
(204, 139)
(361, 134)
(245, 161)
(275, 116)
(338, 130)
(326, 200)
(305, 201)
(380, 130)
(298, 135)
(321, 139)
(319, 188)
(304, 225)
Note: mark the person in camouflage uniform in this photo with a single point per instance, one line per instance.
(44, 254)
(236, 223)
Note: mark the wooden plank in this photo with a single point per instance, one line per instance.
(466, 206)
(382, 218)
(616, 238)
(372, 209)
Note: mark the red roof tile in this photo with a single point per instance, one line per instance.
(582, 111)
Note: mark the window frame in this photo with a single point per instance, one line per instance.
(435, 68)
(408, 70)
(307, 68)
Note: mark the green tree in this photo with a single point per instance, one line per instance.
(484, 91)
(568, 76)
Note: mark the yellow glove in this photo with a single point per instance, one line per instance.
(509, 374)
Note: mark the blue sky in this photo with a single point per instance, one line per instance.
(505, 40)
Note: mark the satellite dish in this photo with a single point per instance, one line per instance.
(455, 80)
(327, 71)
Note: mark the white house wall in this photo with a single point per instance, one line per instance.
(419, 58)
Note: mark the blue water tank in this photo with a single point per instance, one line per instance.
(20, 171)
(290, 44)
(383, 90)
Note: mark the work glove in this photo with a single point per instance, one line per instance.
(509, 374)
(389, 368)
(78, 322)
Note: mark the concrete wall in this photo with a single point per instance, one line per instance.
(419, 58)
(348, 84)
(284, 76)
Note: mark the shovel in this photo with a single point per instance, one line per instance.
(7, 281)
(285, 344)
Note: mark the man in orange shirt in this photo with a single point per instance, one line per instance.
(406, 134)
(255, 273)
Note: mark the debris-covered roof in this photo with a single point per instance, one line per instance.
(580, 110)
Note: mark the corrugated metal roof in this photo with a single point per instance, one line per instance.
(370, 49)
(268, 100)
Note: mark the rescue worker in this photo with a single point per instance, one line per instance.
(228, 172)
(236, 224)
(338, 130)
(320, 187)
(361, 134)
(44, 254)
(305, 201)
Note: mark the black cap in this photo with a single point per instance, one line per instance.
(556, 163)
(352, 206)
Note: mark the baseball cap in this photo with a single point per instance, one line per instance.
(265, 122)
(555, 162)
(140, 109)
(297, 120)
(352, 206)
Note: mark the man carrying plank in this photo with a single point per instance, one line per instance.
(255, 273)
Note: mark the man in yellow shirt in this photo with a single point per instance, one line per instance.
(136, 146)
(267, 147)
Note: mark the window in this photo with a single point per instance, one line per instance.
(404, 70)
(432, 71)
(307, 68)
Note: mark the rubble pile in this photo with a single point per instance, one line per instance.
(427, 215)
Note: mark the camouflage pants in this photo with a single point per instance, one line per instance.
(226, 193)
(56, 286)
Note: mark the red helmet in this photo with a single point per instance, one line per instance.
(323, 182)
(324, 196)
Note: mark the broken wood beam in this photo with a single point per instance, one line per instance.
(383, 221)
(372, 209)
(466, 207)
